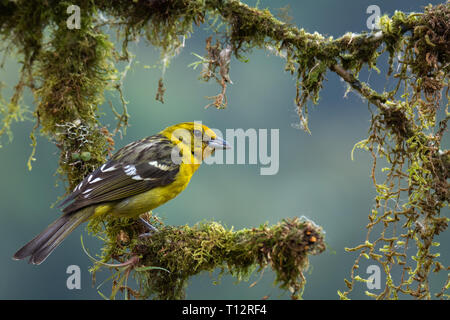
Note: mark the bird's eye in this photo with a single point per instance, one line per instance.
(180, 138)
(197, 133)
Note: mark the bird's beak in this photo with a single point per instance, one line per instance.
(219, 143)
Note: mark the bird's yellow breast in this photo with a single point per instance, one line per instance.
(146, 201)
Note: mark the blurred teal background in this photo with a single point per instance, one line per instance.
(316, 177)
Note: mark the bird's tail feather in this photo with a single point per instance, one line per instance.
(44, 243)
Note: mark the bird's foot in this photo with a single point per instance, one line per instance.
(151, 229)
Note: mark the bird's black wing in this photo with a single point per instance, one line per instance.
(136, 168)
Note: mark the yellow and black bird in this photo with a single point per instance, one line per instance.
(138, 178)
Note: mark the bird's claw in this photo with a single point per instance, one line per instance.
(151, 228)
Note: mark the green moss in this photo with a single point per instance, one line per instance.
(182, 252)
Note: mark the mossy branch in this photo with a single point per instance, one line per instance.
(178, 253)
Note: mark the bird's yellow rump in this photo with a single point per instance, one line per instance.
(138, 178)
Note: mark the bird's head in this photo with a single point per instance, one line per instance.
(195, 140)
